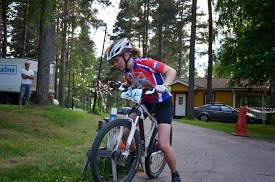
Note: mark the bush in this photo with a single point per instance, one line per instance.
(271, 118)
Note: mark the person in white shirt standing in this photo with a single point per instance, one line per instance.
(26, 84)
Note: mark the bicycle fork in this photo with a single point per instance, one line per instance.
(131, 134)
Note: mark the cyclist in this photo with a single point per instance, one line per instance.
(127, 58)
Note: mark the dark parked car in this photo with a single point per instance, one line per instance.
(220, 112)
(124, 110)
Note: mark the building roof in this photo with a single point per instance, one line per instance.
(218, 83)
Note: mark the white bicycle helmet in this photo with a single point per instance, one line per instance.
(119, 47)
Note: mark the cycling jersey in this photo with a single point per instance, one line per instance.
(152, 70)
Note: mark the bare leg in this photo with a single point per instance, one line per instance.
(164, 144)
(20, 102)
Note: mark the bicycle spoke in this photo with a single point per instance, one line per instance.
(155, 162)
(108, 161)
(157, 159)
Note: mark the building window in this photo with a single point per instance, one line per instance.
(180, 100)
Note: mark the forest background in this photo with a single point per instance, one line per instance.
(60, 31)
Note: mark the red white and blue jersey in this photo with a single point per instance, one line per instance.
(152, 70)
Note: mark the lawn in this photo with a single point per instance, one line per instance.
(263, 131)
(48, 143)
(44, 143)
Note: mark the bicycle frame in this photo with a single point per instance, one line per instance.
(134, 128)
(153, 125)
(146, 151)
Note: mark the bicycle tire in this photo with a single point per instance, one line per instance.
(97, 161)
(153, 148)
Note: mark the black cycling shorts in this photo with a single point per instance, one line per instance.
(163, 110)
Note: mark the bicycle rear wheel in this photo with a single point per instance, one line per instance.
(104, 160)
(154, 161)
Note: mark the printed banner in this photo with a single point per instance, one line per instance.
(8, 69)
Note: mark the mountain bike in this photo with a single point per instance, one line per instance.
(110, 157)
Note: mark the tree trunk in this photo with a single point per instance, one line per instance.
(5, 29)
(180, 63)
(272, 89)
(46, 51)
(146, 27)
(25, 29)
(73, 90)
(210, 61)
(56, 76)
(190, 98)
(63, 56)
(144, 31)
(160, 30)
(160, 40)
(69, 83)
(57, 63)
(180, 42)
(70, 47)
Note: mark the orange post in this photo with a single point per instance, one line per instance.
(241, 129)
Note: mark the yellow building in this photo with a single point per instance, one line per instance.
(221, 91)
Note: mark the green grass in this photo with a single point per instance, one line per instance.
(264, 131)
(44, 143)
(48, 143)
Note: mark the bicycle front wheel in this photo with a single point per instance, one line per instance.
(108, 164)
(155, 161)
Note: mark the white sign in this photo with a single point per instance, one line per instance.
(8, 69)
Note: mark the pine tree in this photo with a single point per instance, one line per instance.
(25, 31)
(190, 97)
(46, 50)
(210, 58)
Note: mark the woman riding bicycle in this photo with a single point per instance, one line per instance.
(127, 58)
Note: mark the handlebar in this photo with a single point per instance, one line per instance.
(122, 87)
(132, 92)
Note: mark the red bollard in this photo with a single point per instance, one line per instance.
(241, 129)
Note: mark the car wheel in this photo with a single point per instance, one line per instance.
(203, 118)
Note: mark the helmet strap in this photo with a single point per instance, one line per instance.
(126, 61)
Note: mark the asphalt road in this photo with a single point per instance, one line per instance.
(204, 155)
